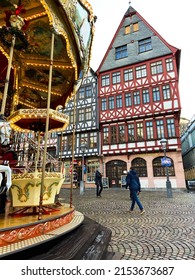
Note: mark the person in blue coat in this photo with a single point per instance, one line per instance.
(133, 183)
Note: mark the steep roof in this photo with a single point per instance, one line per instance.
(160, 47)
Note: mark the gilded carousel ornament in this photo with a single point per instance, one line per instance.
(15, 26)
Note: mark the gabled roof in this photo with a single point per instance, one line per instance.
(160, 46)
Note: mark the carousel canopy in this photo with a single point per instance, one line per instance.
(32, 23)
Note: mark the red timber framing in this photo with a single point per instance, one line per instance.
(139, 100)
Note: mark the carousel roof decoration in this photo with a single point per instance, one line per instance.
(29, 120)
(33, 22)
(15, 25)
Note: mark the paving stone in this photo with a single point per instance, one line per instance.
(165, 231)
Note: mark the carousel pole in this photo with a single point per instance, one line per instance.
(73, 149)
(38, 152)
(46, 128)
(8, 75)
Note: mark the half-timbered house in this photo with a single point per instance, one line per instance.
(83, 128)
(139, 104)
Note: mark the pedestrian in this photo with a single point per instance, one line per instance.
(134, 185)
(98, 182)
(7, 157)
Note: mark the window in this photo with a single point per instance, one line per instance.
(136, 98)
(105, 80)
(111, 102)
(141, 71)
(171, 128)
(116, 78)
(88, 90)
(128, 75)
(127, 29)
(131, 132)
(146, 96)
(160, 129)
(84, 139)
(139, 164)
(88, 114)
(149, 130)
(128, 101)
(93, 140)
(166, 92)
(121, 133)
(81, 93)
(135, 27)
(144, 45)
(105, 135)
(169, 64)
(140, 131)
(156, 94)
(121, 52)
(71, 114)
(131, 28)
(119, 102)
(92, 166)
(159, 170)
(66, 143)
(156, 68)
(81, 116)
(104, 104)
(85, 92)
(113, 135)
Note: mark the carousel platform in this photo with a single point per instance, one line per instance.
(80, 238)
(19, 233)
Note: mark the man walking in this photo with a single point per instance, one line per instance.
(134, 185)
(98, 182)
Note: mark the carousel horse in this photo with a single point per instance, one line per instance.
(5, 131)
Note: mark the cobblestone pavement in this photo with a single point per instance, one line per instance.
(166, 231)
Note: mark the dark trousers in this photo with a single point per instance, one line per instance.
(2, 201)
(135, 199)
(99, 188)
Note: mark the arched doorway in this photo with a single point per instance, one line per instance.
(114, 170)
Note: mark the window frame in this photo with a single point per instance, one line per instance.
(156, 67)
(166, 90)
(128, 75)
(144, 45)
(141, 71)
(116, 78)
(140, 165)
(121, 52)
(104, 104)
(105, 80)
(119, 101)
(111, 105)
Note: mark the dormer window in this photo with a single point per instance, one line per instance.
(121, 52)
(133, 27)
(144, 45)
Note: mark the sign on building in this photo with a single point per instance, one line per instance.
(166, 161)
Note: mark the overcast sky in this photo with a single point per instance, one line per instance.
(172, 19)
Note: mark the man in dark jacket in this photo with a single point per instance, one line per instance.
(134, 185)
(98, 182)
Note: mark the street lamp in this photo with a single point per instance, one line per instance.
(82, 183)
(168, 182)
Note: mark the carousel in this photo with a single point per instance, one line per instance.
(45, 49)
